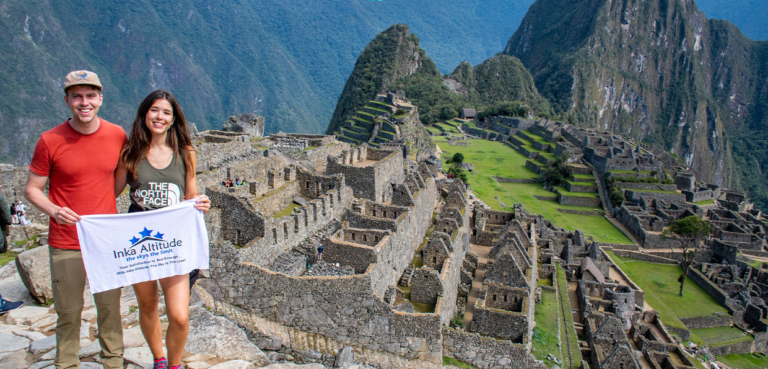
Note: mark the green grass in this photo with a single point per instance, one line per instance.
(423, 308)
(584, 176)
(565, 192)
(745, 361)
(722, 335)
(661, 288)
(545, 335)
(567, 323)
(451, 361)
(754, 263)
(617, 171)
(7, 257)
(492, 158)
(705, 202)
(434, 130)
(287, 211)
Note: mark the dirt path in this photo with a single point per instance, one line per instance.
(482, 259)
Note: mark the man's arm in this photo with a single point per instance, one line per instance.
(33, 191)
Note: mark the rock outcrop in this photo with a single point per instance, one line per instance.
(34, 269)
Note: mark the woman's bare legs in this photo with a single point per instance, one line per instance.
(176, 292)
(148, 295)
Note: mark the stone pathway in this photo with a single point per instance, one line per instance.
(477, 283)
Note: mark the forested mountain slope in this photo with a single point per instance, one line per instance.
(659, 71)
(286, 60)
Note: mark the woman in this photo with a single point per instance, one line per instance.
(158, 162)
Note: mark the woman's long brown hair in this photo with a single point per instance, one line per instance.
(138, 141)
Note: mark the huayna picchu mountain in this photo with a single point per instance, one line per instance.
(393, 61)
(658, 71)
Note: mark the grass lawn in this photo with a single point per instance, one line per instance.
(567, 324)
(565, 192)
(584, 176)
(661, 288)
(287, 211)
(434, 130)
(722, 335)
(705, 202)
(744, 361)
(491, 158)
(545, 335)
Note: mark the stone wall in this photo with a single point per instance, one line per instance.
(646, 186)
(712, 289)
(344, 309)
(707, 321)
(216, 150)
(579, 187)
(668, 197)
(426, 286)
(372, 182)
(278, 199)
(736, 348)
(13, 180)
(645, 257)
(359, 257)
(252, 172)
(486, 352)
(264, 238)
(593, 202)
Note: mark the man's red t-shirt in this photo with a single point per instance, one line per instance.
(81, 173)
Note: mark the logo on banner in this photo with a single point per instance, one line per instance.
(141, 247)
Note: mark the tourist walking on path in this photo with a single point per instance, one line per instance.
(12, 208)
(159, 154)
(5, 221)
(77, 159)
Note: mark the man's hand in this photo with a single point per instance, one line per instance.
(65, 216)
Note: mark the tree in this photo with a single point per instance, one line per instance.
(457, 170)
(557, 171)
(688, 232)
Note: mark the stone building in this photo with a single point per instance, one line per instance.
(371, 173)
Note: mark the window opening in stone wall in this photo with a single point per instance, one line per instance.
(274, 234)
(315, 212)
(376, 239)
(307, 185)
(505, 298)
(285, 229)
(295, 224)
(237, 239)
(365, 238)
(353, 236)
(434, 259)
(494, 297)
(374, 212)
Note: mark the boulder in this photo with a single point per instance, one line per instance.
(16, 360)
(346, 356)
(251, 124)
(43, 345)
(209, 334)
(34, 270)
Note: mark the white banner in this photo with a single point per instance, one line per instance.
(123, 249)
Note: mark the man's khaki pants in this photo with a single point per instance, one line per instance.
(68, 282)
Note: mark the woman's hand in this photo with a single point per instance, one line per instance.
(203, 203)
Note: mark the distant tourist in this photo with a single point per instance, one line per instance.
(320, 252)
(160, 152)
(21, 213)
(77, 160)
(12, 210)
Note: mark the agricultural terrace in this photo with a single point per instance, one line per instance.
(492, 158)
(659, 281)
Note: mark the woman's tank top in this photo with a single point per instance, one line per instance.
(157, 188)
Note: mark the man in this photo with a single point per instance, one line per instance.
(5, 221)
(78, 159)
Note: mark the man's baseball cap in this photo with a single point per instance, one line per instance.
(81, 77)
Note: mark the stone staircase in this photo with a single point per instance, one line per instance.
(405, 280)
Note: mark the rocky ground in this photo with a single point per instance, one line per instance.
(27, 337)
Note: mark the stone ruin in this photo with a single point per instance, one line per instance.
(249, 124)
